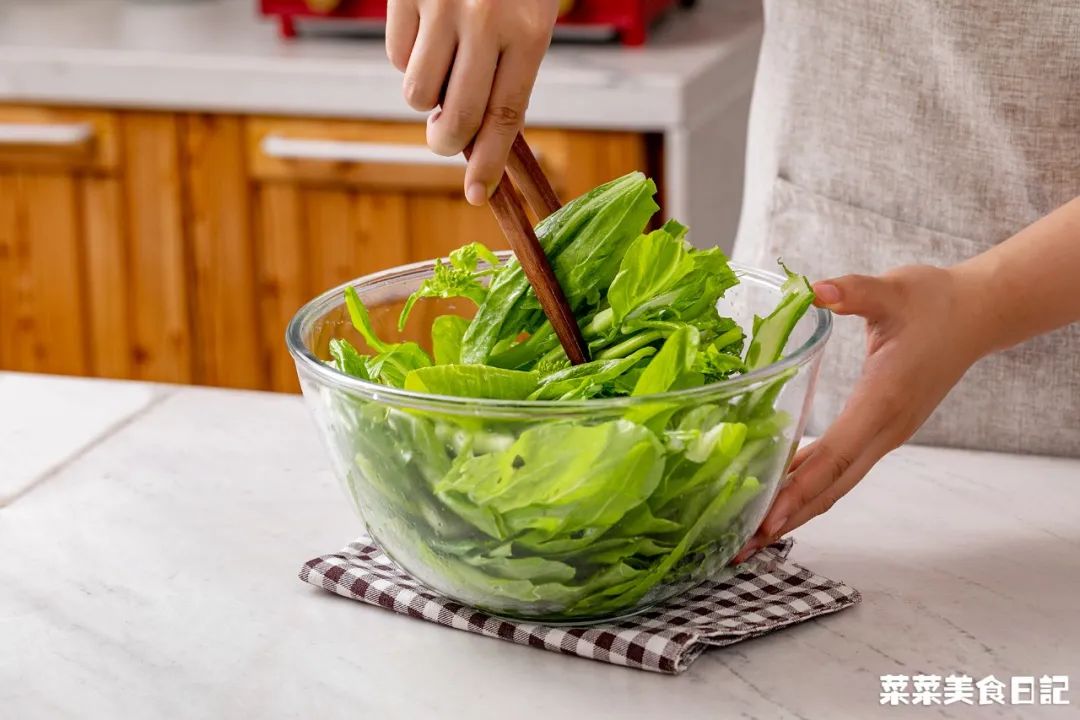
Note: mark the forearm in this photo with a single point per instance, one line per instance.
(1030, 284)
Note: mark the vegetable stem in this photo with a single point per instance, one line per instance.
(631, 344)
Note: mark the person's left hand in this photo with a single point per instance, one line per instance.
(923, 334)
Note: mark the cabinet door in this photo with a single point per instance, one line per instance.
(92, 275)
(337, 200)
(41, 283)
(46, 163)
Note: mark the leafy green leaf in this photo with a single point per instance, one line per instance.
(534, 569)
(446, 334)
(361, 320)
(692, 299)
(458, 278)
(653, 264)
(562, 478)
(521, 354)
(591, 231)
(716, 364)
(585, 380)
(718, 507)
(468, 257)
(392, 366)
(348, 359)
(675, 358)
(477, 381)
(590, 262)
(771, 333)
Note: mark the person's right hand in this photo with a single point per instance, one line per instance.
(485, 55)
(925, 326)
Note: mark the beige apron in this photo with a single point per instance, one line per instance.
(891, 133)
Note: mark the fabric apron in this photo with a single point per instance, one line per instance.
(885, 134)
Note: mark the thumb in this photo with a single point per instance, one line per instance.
(863, 295)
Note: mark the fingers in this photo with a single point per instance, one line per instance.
(502, 122)
(801, 455)
(864, 295)
(836, 452)
(430, 60)
(828, 497)
(402, 26)
(826, 470)
(476, 61)
(770, 531)
(462, 113)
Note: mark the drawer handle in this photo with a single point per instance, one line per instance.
(284, 148)
(46, 134)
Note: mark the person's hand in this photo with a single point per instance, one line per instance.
(922, 336)
(485, 55)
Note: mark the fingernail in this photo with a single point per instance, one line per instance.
(434, 116)
(746, 553)
(773, 528)
(827, 293)
(476, 193)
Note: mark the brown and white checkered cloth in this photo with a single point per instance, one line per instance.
(767, 593)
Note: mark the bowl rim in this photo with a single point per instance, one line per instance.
(307, 362)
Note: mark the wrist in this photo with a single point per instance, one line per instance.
(978, 301)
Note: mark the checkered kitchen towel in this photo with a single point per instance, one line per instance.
(767, 593)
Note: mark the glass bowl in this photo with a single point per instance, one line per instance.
(560, 512)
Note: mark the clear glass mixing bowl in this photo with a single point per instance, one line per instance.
(394, 450)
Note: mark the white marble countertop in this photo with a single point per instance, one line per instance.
(150, 539)
(219, 55)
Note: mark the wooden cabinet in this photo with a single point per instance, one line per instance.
(176, 247)
(92, 271)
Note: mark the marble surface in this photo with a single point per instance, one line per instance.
(220, 55)
(45, 421)
(149, 570)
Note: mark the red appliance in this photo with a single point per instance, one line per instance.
(630, 19)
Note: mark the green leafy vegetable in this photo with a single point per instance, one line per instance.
(561, 479)
(771, 333)
(588, 380)
(348, 359)
(361, 320)
(474, 381)
(446, 334)
(391, 363)
(562, 516)
(653, 265)
(671, 363)
(585, 240)
(458, 278)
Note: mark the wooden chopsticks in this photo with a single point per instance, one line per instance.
(530, 178)
(506, 204)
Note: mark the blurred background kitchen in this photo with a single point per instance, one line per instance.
(178, 176)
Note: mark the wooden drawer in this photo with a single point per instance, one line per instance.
(53, 138)
(381, 156)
